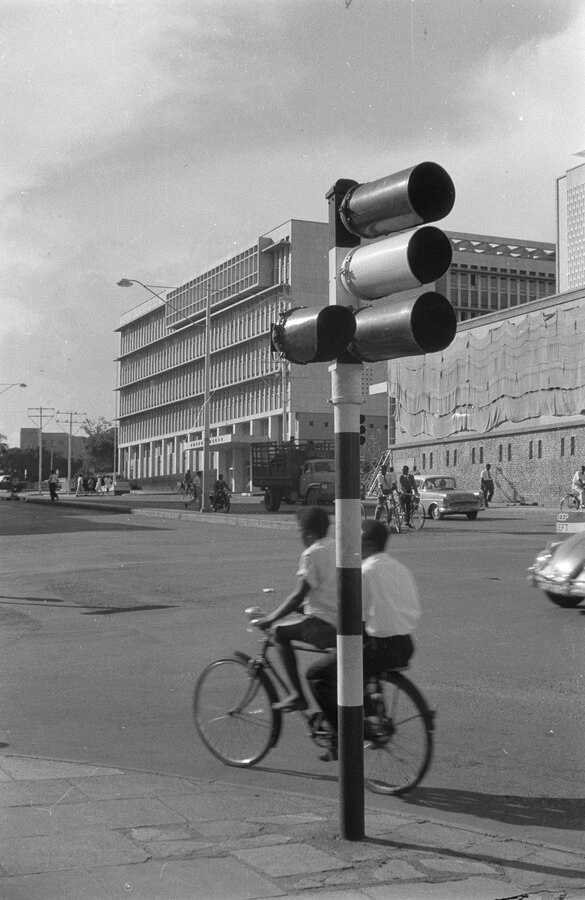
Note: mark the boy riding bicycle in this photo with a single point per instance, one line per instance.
(315, 594)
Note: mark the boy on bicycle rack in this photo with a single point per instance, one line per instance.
(315, 594)
(391, 609)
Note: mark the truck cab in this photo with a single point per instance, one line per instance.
(317, 482)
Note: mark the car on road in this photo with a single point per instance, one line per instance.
(440, 497)
(559, 571)
(6, 484)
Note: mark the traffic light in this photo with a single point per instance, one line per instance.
(362, 430)
(409, 257)
(306, 335)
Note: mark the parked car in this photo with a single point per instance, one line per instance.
(440, 497)
(559, 571)
(6, 484)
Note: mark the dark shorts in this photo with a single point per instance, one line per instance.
(381, 654)
(309, 630)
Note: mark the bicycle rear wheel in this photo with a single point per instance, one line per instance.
(399, 739)
(570, 501)
(417, 516)
(232, 710)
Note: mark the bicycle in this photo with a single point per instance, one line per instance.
(233, 711)
(570, 501)
(186, 491)
(393, 514)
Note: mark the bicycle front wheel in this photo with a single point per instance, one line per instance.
(399, 739)
(417, 517)
(570, 501)
(232, 710)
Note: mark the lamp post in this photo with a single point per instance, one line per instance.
(5, 385)
(205, 482)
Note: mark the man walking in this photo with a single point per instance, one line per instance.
(487, 484)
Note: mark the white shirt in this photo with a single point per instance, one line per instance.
(390, 598)
(317, 568)
(578, 479)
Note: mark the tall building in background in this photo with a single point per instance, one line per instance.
(253, 395)
(571, 228)
(493, 273)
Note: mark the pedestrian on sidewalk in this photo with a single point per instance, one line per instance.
(79, 489)
(197, 489)
(53, 485)
(487, 484)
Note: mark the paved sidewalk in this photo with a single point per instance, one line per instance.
(77, 832)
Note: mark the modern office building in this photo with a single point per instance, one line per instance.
(571, 228)
(252, 394)
(493, 273)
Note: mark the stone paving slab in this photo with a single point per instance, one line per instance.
(50, 852)
(71, 885)
(200, 879)
(95, 833)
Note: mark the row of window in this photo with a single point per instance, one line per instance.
(504, 451)
(185, 382)
(228, 406)
(189, 345)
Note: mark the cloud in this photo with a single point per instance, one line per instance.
(150, 140)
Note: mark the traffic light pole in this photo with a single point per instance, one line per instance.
(346, 383)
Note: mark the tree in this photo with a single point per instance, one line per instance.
(98, 455)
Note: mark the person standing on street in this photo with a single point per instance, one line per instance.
(53, 484)
(578, 484)
(385, 485)
(197, 488)
(407, 487)
(487, 484)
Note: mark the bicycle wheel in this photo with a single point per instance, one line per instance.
(399, 739)
(417, 516)
(232, 710)
(569, 501)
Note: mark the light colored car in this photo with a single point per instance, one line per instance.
(440, 497)
(559, 571)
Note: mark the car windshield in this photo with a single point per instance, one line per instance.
(439, 484)
(326, 465)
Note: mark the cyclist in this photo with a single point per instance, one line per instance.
(220, 489)
(391, 610)
(188, 481)
(578, 484)
(316, 594)
(385, 485)
(408, 492)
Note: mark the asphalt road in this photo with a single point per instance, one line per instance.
(106, 620)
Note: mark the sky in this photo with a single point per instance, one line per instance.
(151, 139)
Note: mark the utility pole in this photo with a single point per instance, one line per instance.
(69, 438)
(41, 413)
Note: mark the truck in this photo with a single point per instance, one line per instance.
(296, 472)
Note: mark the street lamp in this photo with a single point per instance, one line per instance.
(128, 282)
(5, 385)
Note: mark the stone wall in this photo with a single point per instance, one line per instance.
(532, 466)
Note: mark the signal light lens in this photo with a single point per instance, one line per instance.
(404, 327)
(306, 335)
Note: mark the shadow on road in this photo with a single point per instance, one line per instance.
(545, 812)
